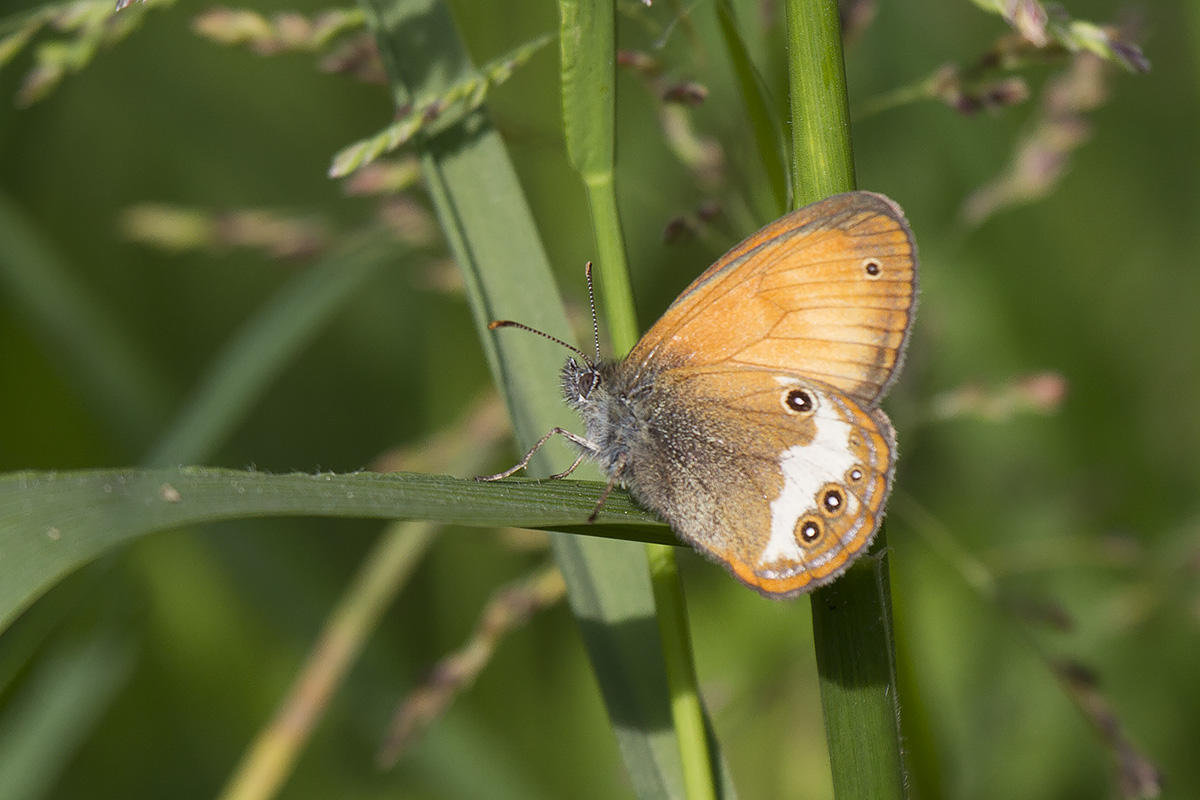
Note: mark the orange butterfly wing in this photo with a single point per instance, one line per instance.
(827, 291)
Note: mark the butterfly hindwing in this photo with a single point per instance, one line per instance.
(780, 478)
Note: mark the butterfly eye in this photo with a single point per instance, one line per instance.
(833, 502)
(872, 267)
(808, 531)
(587, 382)
(798, 401)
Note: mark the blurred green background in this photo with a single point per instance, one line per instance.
(148, 674)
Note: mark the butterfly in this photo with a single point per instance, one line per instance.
(748, 416)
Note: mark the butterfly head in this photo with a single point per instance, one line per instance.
(578, 380)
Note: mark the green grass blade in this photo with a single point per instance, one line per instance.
(822, 159)
(587, 40)
(852, 621)
(51, 523)
(852, 631)
(687, 711)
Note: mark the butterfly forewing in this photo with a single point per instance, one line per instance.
(826, 291)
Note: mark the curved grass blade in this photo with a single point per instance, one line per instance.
(53, 522)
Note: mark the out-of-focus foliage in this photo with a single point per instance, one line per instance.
(1046, 531)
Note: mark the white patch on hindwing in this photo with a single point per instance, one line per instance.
(807, 468)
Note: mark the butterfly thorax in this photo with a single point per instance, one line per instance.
(615, 406)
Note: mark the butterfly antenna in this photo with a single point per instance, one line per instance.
(508, 323)
(592, 302)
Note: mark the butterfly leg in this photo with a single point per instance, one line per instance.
(579, 460)
(587, 446)
(612, 482)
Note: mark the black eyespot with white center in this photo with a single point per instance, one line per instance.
(809, 531)
(855, 475)
(833, 502)
(798, 401)
(873, 268)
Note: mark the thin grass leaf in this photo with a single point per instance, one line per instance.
(762, 121)
(587, 50)
(587, 40)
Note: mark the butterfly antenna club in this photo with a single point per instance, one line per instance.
(508, 323)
